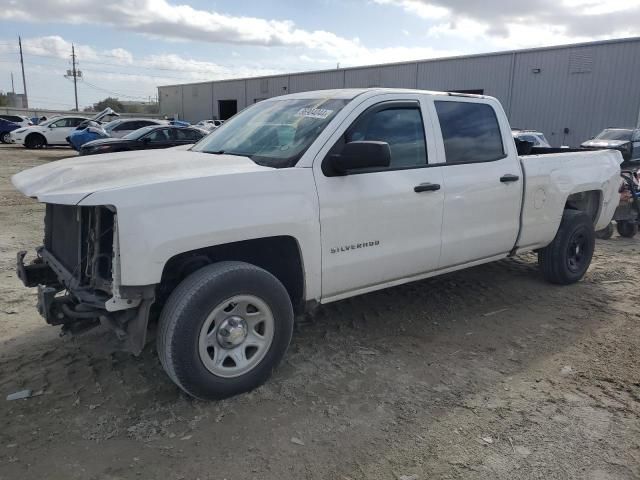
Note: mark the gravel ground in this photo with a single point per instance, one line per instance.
(485, 373)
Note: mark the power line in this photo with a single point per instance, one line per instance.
(91, 85)
(190, 70)
(109, 71)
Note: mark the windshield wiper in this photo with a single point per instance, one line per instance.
(225, 152)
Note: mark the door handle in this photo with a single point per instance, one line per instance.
(509, 177)
(426, 187)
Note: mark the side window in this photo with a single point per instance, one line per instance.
(74, 122)
(187, 135)
(530, 138)
(60, 123)
(401, 127)
(470, 132)
(159, 135)
(124, 126)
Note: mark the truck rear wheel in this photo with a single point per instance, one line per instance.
(627, 229)
(224, 329)
(566, 259)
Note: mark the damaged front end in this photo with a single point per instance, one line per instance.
(78, 277)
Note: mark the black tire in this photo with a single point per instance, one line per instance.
(186, 311)
(566, 259)
(627, 229)
(35, 140)
(606, 233)
(5, 137)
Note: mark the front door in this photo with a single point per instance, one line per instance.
(158, 138)
(380, 225)
(481, 181)
(61, 129)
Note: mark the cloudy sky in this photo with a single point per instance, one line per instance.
(126, 48)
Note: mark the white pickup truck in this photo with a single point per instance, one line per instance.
(297, 201)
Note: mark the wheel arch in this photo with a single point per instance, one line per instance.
(35, 134)
(279, 255)
(588, 201)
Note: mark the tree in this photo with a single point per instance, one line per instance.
(118, 106)
(4, 100)
(114, 103)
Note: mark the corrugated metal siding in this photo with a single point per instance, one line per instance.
(398, 76)
(584, 98)
(229, 90)
(261, 88)
(316, 81)
(170, 99)
(198, 102)
(583, 88)
(490, 74)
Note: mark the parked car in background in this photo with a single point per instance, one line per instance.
(6, 127)
(123, 126)
(536, 138)
(20, 120)
(156, 136)
(86, 132)
(626, 140)
(210, 124)
(53, 132)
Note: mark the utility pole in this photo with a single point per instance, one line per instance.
(75, 74)
(24, 81)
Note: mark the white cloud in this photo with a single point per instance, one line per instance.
(509, 24)
(183, 22)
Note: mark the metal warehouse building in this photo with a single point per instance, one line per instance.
(569, 92)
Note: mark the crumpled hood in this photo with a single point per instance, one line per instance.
(604, 143)
(70, 180)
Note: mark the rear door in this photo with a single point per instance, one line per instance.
(482, 180)
(376, 225)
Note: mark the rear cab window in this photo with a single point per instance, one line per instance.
(470, 132)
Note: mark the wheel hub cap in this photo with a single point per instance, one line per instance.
(232, 332)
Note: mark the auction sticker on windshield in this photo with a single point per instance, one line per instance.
(314, 113)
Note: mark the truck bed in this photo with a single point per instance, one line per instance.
(551, 177)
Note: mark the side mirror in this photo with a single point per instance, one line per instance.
(361, 154)
(146, 140)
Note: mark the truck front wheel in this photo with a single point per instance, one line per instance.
(566, 259)
(224, 329)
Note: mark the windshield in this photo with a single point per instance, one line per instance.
(273, 133)
(614, 134)
(136, 134)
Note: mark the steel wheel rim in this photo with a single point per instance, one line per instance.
(249, 326)
(577, 251)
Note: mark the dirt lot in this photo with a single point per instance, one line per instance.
(487, 373)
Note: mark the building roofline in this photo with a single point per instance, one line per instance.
(413, 62)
